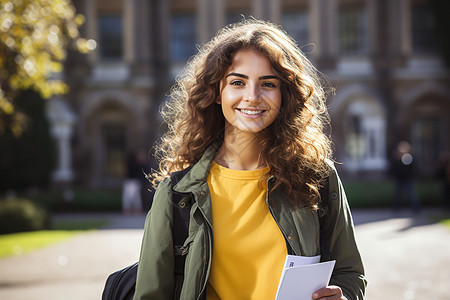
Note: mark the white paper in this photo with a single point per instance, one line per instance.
(302, 276)
(296, 261)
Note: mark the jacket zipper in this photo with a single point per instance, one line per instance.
(208, 267)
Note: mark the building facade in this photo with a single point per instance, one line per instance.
(380, 56)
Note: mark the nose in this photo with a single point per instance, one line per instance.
(253, 94)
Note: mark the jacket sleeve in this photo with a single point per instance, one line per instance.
(155, 277)
(348, 273)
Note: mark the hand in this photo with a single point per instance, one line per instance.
(331, 292)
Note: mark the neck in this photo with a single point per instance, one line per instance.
(240, 151)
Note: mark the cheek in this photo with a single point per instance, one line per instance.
(276, 100)
(229, 97)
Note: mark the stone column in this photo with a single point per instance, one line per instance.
(380, 43)
(160, 39)
(385, 41)
(129, 30)
(141, 28)
(62, 120)
(398, 13)
(210, 18)
(323, 24)
(159, 35)
(91, 26)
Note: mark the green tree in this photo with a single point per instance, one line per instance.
(28, 160)
(34, 36)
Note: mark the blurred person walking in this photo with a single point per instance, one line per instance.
(403, 172)
(132, 186)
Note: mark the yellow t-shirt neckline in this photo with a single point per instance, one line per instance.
(238, 174)
(249, 249)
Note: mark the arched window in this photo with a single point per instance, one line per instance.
(364, 136)
(109, 134)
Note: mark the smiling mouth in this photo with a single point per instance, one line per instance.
(250, 112)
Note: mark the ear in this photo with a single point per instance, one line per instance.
(218, 101)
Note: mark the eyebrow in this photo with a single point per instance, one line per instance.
(246, 77)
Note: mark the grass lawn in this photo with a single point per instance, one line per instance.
(443, 219)
(23, 242)
(446, 222)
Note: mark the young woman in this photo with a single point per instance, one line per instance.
(247, 116)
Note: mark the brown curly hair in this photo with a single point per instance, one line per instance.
(294, 145)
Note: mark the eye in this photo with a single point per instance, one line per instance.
(237, 82)
(269, 85)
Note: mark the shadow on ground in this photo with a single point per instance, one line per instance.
(424, 217)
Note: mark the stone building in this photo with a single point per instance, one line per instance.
(381, 56)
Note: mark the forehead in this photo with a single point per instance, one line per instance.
(251, 60)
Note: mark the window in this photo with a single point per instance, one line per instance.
(364, 136)
(422, 28)
(111, 37)
(296, 25)
(352, 31)
(183, 37)
(355, 146)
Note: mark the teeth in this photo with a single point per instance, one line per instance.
(251, 112)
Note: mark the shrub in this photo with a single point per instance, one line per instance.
(18, 215)
(81, 199)
(366, 194)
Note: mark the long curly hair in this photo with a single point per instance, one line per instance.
(294, 146)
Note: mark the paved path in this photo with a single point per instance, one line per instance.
(75, 269)
(405, 256)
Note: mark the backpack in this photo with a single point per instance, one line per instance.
(121, 284)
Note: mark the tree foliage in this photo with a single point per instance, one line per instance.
(34, 35)
(28, 160)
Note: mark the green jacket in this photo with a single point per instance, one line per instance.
(300, 226)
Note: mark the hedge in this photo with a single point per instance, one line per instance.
(17, 215)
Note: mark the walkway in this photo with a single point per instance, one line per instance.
(75, 269)
(406, 257)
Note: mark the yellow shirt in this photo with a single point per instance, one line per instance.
(249, 249)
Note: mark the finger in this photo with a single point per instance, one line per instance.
(329, 292)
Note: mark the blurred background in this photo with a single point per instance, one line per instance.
(81, 83)
(387, 60)
(69, 137)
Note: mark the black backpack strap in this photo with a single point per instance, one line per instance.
(182, 203)
(322, 212)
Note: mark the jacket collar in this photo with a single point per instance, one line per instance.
(198, 175)
(195, 181)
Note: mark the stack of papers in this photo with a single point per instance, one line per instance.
(302, 276)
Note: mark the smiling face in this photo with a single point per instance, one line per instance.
(250, 93)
